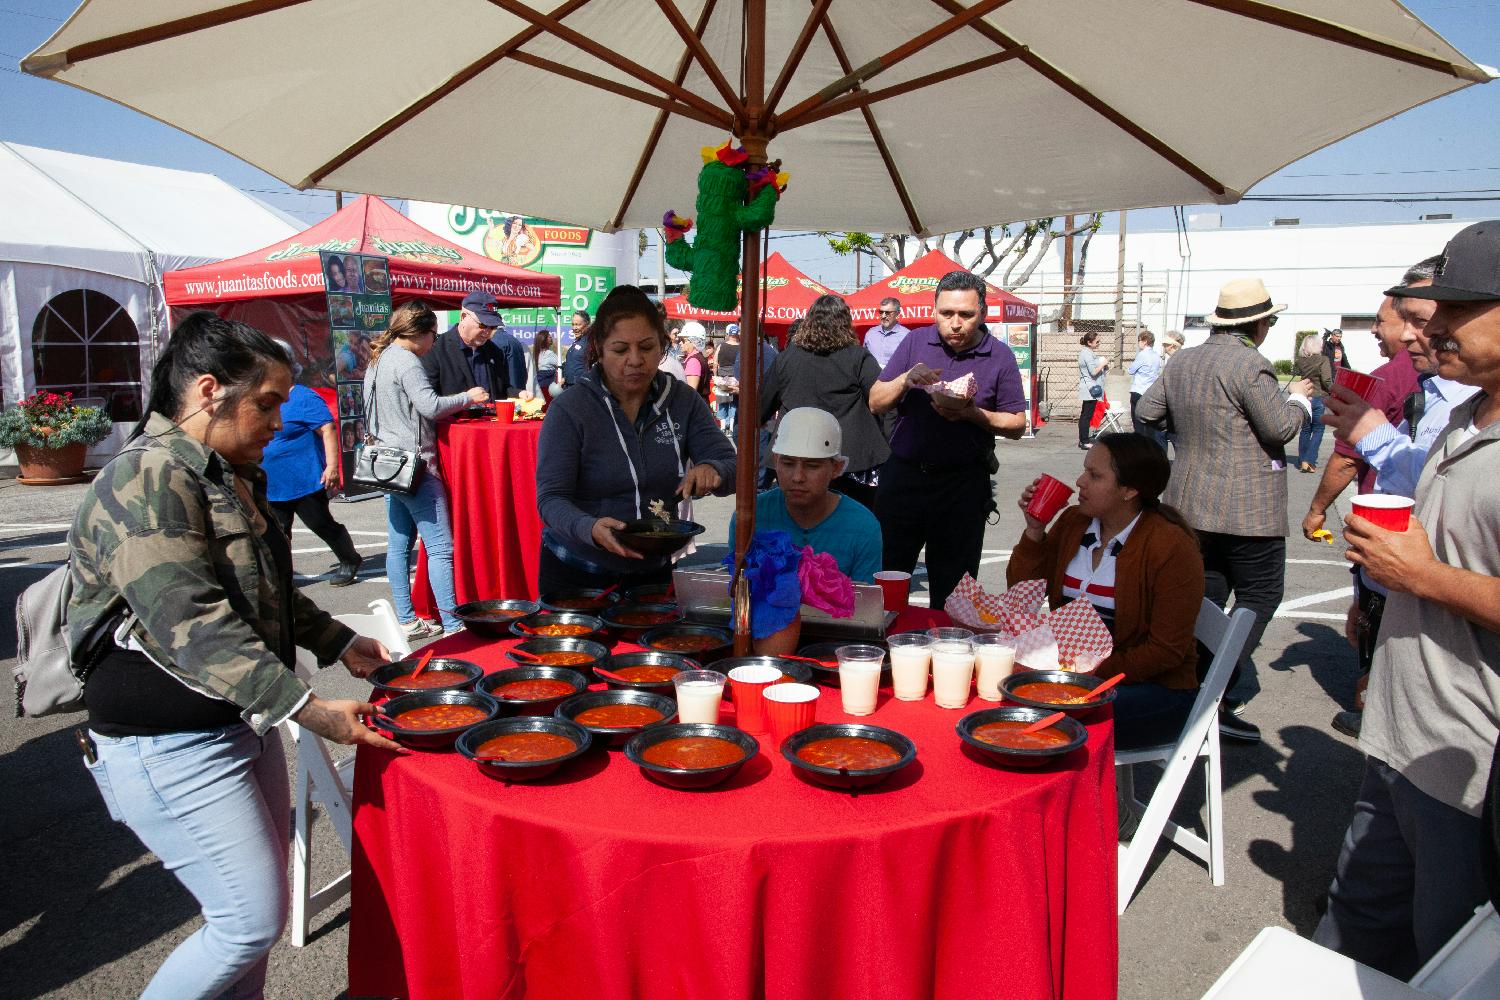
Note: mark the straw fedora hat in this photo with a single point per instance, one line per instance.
(1243, 300)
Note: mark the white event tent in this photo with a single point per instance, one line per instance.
(84, 242)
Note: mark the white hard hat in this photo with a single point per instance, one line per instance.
(808, 432)
(694, 331)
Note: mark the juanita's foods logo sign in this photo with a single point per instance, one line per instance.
(515, 239)
(421, 250)
(310, 249)
(911, 286)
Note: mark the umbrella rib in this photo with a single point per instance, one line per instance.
(864, 98)
(875, 134)
(630, 67)
(698, 51)
(794, 57)
(1341, 34)
(666, 104)
(661, 122)
(416, 108)
(1099, 106)
(48, 63)
(854, 78)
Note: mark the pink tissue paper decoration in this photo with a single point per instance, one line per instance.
(823, 586)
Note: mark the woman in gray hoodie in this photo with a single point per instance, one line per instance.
(624, 436)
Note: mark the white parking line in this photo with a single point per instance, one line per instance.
(1343, 563)
(1294, 605)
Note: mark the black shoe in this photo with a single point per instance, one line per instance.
(1348, 723)
(346, 573)
(1233, 706)
(1237, 730)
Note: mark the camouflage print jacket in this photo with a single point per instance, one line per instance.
(163, 527)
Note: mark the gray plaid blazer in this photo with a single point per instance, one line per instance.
(1232, 422)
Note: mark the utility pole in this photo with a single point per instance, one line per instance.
(1120, 293)
(1065, 320)
(338, 200)
(661, 267)
(856, 270)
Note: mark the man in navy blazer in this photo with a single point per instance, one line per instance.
(477, 352)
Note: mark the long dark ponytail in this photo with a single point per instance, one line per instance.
(236, 354)
(1140, 464)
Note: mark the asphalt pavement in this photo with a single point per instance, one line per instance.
(88, 912)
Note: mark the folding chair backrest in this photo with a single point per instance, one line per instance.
(1225, 636)
(1469, 964)
(381, 625)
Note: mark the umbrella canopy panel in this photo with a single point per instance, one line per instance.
(888, 115)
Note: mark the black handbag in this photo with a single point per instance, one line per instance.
(1096, 391)
(383, 467)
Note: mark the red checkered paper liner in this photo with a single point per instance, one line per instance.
(1073, 637)
(1017, 610)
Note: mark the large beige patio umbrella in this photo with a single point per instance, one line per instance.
(922, 116)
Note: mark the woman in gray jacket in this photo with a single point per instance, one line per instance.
(1091, 369)
(401, 410)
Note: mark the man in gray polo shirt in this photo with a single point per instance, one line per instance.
(1410, 872)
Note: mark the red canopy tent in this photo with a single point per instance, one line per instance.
(913, 286)
(786, 295)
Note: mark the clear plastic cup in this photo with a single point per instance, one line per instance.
(950, 634)
(994, 660)
(911, 660)
(859, 677)
(952, 672)
(699, 693)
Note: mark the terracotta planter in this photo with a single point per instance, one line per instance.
(51, 464)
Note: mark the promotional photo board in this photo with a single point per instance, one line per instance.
(359, 310)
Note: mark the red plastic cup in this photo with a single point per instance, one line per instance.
(1359, 383)
(895, 586)
(1049, 498)
(1382, 510)
(749, 684)
(790, 708)
(505, 411)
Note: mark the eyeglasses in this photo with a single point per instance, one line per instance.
(887, 312)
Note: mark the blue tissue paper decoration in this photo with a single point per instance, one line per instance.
(771, 565)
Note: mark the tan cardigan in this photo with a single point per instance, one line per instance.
(1158, 592)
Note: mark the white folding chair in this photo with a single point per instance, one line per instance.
(1116, 418)
(1225, 635)
(327, 782)
(1468, 966)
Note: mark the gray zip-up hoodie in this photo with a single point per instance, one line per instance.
(592, 462)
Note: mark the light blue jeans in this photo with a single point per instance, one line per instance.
(424, 513)
(214, 805)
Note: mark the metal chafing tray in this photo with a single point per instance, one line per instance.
(703, 595)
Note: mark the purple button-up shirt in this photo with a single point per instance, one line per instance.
(882, 343)
(922, 435)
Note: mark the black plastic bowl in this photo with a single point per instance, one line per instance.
(1009, 684)
(840, 777)
(615, 737)
(513, 706)
(568, 600)
(648, 658)
(432, 739)
(382, 678)
(649, 593)
(494, 618)
(595, 631)
(1077, 733)
(634, 633)
(651, 537)
(824, 651)
(681, 777)
(792, 670)
(468, 744)
(598, 652)
(723, 645)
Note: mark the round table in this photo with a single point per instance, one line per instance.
(955, 878)
(489, 469)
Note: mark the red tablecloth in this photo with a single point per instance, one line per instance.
(490, 472)
(954, 879)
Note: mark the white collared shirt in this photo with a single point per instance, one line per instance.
(1083, 579)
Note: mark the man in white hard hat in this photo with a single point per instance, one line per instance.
(807, 459)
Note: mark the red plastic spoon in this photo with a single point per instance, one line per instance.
(1041, 724)
(523, 655)
(422, 663)
(1094, 694)
(610, 675)
(808, 659)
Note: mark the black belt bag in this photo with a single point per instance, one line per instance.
(383, 467)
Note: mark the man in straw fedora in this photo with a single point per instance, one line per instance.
(1232, 422)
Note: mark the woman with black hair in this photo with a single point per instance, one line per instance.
(184, 605)
(334, 278)
(1137, 561)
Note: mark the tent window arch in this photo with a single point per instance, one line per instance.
(87, 344)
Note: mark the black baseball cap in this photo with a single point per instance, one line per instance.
(484, 306)
(1469, 270)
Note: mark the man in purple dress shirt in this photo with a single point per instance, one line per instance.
(935, 489)
(882, 340)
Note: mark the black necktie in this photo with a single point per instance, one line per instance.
(1412, 409)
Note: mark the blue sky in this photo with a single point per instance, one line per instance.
(1451, 144)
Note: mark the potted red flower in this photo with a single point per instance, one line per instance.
(51, 435)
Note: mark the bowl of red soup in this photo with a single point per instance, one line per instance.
(615, 716)
(582, 655)
(632, 621)
(532, 690)
(1056, 691)
(432, 720)
(442, 673)
(848, 755)
(653, 537)
(524, 748)
(648, 670)
(589, 601)
(704, 643)
(494, 618)
(649, 593)
(558, 625)
(690, 755)
(997, 733)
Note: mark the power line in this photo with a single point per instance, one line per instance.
(1369, 200)
(27, 13)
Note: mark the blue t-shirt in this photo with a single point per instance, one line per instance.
(294, 459)
(850, 534)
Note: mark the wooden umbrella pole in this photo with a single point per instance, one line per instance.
(747, 467)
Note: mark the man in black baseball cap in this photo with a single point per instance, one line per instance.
(477, 352)
(1464, 332)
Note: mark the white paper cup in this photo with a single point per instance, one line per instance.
(995, 660)
(952, 672)
(911, 660)
(859, 677)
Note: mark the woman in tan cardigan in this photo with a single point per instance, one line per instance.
(1138, 562)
